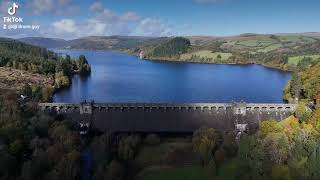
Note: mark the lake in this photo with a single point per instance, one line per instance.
(123, 78)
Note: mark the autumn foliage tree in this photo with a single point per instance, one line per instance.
(205, 142)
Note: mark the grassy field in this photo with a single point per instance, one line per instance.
(171, 173)
(296, 59)
(254, 44)
(207, 55)
(270, 48)
(264, 43)
(296, 39)
(257, 43)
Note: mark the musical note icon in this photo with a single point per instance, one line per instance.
(13, 9)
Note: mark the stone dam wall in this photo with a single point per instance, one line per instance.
(109, 117)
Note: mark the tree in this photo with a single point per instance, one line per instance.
(205, 142)
(152, 139)
(314, 163)
(69, 166)
(85, 70)
(315, 119)
(26, 90)
(173, 47)
(101, 154)
(212, 168)
(219, 157)
(61, 81)
(253, 158)
(280, 172)
(8, 165)
(229, 145)
(115, 171)
(47, 94)
(68, 58)
(128, 147)
(277, 146)
(268, 127)
(82, 61)
(295, 85)
(16, 148)
(305, 144)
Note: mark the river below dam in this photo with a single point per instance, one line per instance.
(120, 78)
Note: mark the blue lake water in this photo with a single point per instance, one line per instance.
(121, 78)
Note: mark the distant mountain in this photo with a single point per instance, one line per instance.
(113, 42)
(96, 42)
(44, 42)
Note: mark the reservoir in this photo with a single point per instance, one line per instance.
(121, 78)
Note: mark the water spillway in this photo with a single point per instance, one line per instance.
(152, 117)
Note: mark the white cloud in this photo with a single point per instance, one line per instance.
(105, 22)
(65, 26)
(111, 25)
(68, 28)
(153, 27)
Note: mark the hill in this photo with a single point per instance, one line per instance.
(112, 42)
(44, 42)
(249, 42)
(95, 42)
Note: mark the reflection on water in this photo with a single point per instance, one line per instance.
(122, 78)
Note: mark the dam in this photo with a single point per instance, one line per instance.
(157, 118)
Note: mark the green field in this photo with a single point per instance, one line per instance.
(296, 59)
(257, 43)
(296, 39)
(270, 48)
(171, 173)
(207, 55)
(266, 44)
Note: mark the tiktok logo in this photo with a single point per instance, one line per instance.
(13, 9)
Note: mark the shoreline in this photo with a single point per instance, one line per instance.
(166, 60)
(198, 62)
(159, 59)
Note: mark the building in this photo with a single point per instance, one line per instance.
(141, 54)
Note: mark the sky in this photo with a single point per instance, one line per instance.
(71, 19)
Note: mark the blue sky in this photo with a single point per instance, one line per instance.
(76, 18)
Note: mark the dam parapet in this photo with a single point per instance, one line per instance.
(237, 108)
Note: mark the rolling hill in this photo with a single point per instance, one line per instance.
(44, 42)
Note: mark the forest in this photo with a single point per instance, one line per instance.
(171, 48)
(35, 146)
(37, 60)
